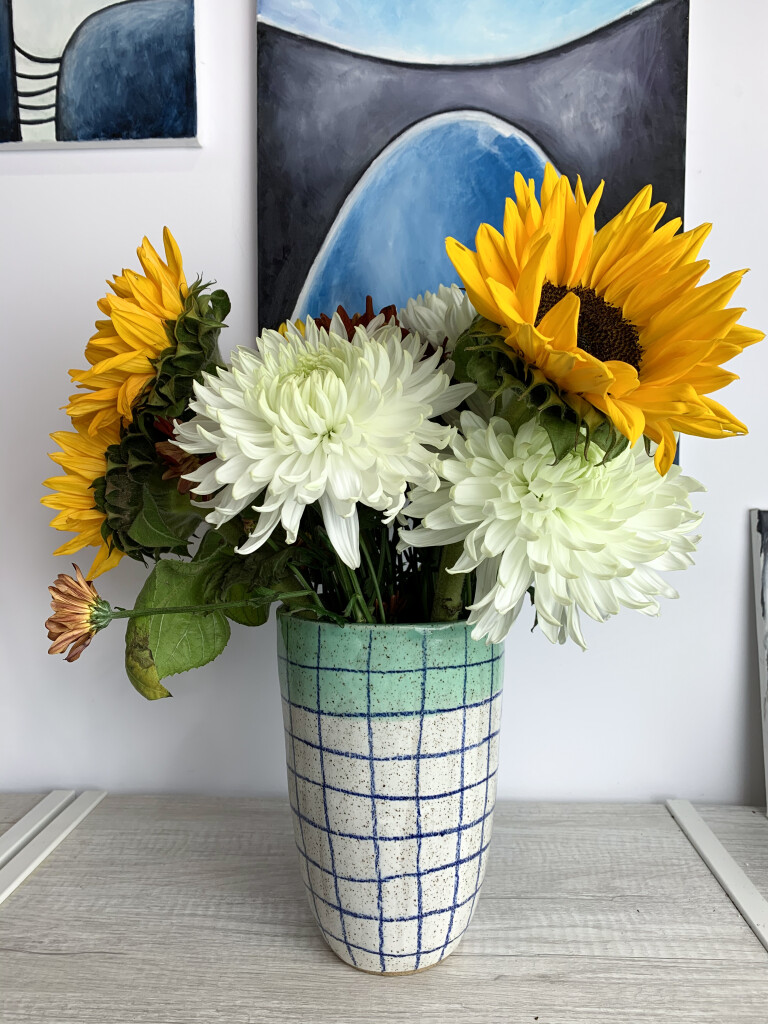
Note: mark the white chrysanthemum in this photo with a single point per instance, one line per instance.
(319, 418)
(586, 537)
(440, 318)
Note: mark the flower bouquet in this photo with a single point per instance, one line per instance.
(401, 483)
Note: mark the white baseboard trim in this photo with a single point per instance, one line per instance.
(34, 851)
(747, 899)
(34, 821)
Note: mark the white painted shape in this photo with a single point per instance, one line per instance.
(34, 853)
(42, 27)
(745, 897)
(34, 821)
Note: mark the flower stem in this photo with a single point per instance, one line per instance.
(374, 579)
(139, 613)
(363, 604)
(448, 593)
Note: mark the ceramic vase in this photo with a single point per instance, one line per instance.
(391, 737)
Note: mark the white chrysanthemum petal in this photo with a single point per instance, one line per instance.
(452, 396)
(343, 532)
(311, 416)
(439, 318)
(266, 524)
(587, 537)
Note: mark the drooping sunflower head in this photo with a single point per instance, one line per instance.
(615, 319)
(119, 491)
(135, 333)
(83, 459)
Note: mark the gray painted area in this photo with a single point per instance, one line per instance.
(611, 105)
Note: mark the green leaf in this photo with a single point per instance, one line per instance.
(163, 645)
(609, 440)
(166, 519)
(262, 572)
(564, 433)
(220, 304)
(139, 663)
(256, 615)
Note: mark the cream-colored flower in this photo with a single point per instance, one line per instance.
(587, 537)
(439, 317)
(314, 417)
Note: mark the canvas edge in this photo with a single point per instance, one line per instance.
(760, 628)
(193, 142)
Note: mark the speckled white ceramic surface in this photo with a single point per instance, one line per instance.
(392, 751)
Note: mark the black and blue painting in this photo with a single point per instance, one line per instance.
(95, 71)
(383, 128)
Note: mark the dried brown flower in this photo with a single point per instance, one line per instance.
(360, 319)
(176, 461)
(78, 614)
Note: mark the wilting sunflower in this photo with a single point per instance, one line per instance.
(121, 351)
(617, 318)
(83, 459)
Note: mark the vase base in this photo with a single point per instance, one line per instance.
(387, 974)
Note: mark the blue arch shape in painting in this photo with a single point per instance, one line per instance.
(128, 72)
(443, 176)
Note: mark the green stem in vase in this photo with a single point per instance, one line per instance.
(448, 603)
(374, 579)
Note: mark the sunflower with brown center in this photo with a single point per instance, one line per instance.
(615, 319)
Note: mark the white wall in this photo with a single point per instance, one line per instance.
(654, 708)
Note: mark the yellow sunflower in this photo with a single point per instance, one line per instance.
(83, 459)
(120, 352)
(615, 319)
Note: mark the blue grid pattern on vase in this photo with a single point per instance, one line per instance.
(392, 808)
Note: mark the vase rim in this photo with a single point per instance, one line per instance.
(427, 626)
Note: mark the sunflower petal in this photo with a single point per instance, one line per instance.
(467, 267)
(561, 322)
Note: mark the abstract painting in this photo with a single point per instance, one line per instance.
(94, 71)
(384, 127)
(758, 521)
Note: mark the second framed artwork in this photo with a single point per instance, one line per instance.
(91, 72)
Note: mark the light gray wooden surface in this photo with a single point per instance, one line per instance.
(174, 910)
(743, 831)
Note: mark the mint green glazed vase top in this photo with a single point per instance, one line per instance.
(391, 736)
